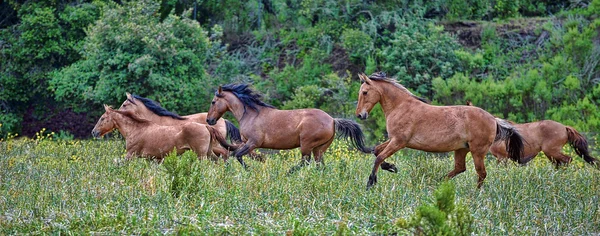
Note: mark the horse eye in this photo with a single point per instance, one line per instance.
(365, 93)
(213, 102)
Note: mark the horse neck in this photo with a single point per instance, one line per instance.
(126, 125)
(393, 97)
(241, 114)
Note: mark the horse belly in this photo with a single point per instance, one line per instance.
(437, 143)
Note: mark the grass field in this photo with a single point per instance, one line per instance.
(86, 187)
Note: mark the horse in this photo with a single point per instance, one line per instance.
(264, 126)
(549, 137)
(413, 123)
(144, 138)
(146, 108)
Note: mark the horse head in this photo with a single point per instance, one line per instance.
(368, 96)
(218, 107)
(105, 124)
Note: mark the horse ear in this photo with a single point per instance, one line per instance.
(107, 108)
(220, 90)
(128, 95)
(364, 78)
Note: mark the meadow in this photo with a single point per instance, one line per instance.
(86, 187)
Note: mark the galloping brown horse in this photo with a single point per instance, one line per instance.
(148, 109)
(146, 139)
(262, 125)
(548, 136)
(413, 123)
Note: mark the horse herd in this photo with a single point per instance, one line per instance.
(151, 131)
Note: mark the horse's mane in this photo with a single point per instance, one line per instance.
(248, 96)
(381, 76)
(156, 108)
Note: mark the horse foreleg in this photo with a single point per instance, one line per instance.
(243, 151)
(391, 147)
(459, 162)
(385, 165)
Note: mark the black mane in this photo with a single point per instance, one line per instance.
(248, 96)
(381, 76)
(157, 109)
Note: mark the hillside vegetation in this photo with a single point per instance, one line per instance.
(522, 60)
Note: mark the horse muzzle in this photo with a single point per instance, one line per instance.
(95, 134)
(211, 121)
(362, 115)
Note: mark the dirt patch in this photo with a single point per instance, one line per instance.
(526, 30)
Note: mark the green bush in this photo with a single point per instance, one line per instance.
(443, 217)
(418, 52)
(129, 50)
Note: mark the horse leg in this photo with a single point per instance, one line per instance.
(557, 157)
(304, 161)
(479, 161)
(459, 162)
(391, 147)
(319, 150)
(243, 151)
(385, 165)
(221, 152)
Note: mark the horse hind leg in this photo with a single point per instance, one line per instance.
(558, 158)
(320, 150)
(304, 161)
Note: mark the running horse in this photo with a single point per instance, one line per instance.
(412, 122)
(144, 138)
(264, 126)
(549, 137)
(149, 109)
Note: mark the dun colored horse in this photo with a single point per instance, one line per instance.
(148, 109)
(147, 139)
(264, 126)
(413, 123)
(548, 136)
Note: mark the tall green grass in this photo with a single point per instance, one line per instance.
(86, 187)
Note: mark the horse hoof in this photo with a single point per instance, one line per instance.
(389, 167)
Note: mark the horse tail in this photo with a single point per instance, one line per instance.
(580, 144)
(216, 135)
(512, 139)
(350, 129)
(233, 133)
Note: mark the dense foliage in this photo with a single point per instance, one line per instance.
(522, 60)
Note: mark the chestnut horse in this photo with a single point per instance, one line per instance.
(413, 123)
(548, 136)
(146, 139)
(262, 125)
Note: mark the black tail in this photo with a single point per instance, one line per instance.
(580, 144)
(513, 140)
(233, 133)
(350, 129)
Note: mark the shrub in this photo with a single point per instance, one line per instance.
(129, 50)
(443, 217)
